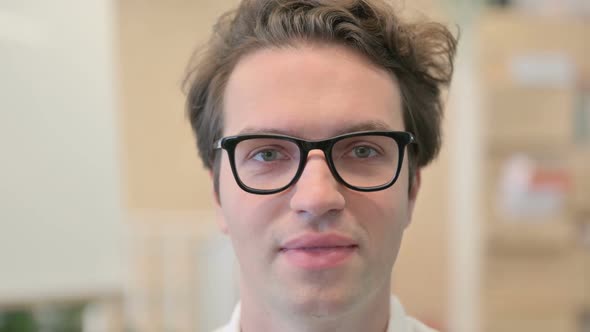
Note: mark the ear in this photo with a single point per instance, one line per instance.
(219, 217)
(413, 193)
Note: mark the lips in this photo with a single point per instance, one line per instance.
(318, 242)
(318, 251)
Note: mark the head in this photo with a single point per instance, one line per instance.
(313, 70)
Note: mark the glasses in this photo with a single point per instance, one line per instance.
(364, 161)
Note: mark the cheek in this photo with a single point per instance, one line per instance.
(226, 182)
(387, 230)
(383, 216)
(238, 216)
(231, 196)
(247, 216)
(392, 215)
(381, 209)
(230, 200)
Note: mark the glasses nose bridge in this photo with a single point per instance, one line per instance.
(324, 146)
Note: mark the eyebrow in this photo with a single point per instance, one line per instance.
(376, 125)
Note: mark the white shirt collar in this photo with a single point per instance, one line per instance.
(398, 321)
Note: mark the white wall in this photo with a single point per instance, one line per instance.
(60, 203)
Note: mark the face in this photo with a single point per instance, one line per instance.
(318, 247)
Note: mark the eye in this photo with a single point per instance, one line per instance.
(269, 155)
(362, 152)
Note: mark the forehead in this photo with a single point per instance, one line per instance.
(310, 91)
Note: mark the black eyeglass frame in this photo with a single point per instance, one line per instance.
(229, 143)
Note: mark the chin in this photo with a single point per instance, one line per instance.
(323, 301)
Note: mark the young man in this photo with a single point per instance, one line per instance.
(314, 118)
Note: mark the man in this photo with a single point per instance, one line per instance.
(314, 118)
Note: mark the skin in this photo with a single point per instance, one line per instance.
(313, 92)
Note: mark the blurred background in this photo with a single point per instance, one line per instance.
(106, 220)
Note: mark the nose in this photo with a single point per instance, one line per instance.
(317, 193)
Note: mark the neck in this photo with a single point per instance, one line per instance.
(370, 314)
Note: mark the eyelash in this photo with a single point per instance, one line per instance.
(257, 152)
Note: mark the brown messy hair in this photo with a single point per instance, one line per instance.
(419, 54)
